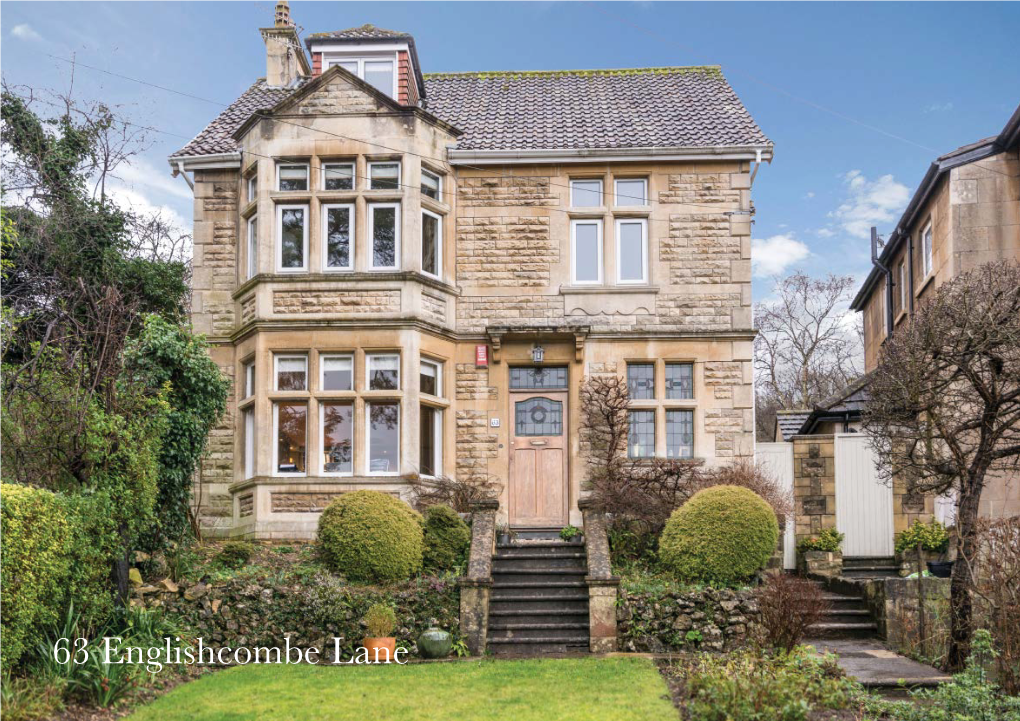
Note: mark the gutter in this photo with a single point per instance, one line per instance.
(755, 153)
(213, 161)
(179, 170)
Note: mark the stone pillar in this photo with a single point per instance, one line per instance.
(476, 585)
(814, 484)
(602, 584)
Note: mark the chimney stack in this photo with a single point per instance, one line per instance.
(285, 58)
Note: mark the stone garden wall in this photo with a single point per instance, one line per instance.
(672, 621)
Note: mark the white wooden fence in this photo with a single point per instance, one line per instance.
(864, 502)
(777, 459)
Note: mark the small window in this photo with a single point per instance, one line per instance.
(586, 251)
(585, 193)
(679, 434)
(349, 65)
(291, 422)
(248, 442)
(431, 185)
(338, 237)
(383, 438)
(337, 372)
(249, 379)
(292, 231)
(379, 74)
(632, 192)
(641, 435)
(384, 230)
(338, 176)
(431, 243)
(337, 438)
(632, 250)
(431, 381)
(292, 177)
(641, 381)
(253, 246)
(927, 251)
(253, 187)
(291, 373)
(383, 372)
(680, 381)
(538, 378)
(904, 286)
(384, 176)
(430, 446)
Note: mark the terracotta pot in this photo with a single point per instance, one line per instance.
(380, 650)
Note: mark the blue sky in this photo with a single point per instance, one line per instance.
(937, 75)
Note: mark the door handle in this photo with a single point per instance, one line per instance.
(539, 443)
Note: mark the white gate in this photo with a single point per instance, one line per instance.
(777, 459)
(864, 503)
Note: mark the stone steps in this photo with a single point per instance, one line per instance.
(870, 567)
(848, 617)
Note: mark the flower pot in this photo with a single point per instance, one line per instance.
(940, 569)
(434, 643)
(380, 650)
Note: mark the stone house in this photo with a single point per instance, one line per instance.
(411, 274)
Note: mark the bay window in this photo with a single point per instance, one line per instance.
(384, 231)
(430, 446)
(431, 380)
(383, 372)
(291, 372)
(337, 237)
(338, 176)
(292, 176)
(431, 243)
(253, 247)
(290, 422)
(337, 421)
(383, 438)
(384, 176)
(337, 372)
(431, 185)
(292, 235)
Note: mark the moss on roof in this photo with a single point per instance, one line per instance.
(486, 74)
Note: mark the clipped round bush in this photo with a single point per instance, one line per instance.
(371, 536)
(447, 538)
(235, 554)
(723, 534)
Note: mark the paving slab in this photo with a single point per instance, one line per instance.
(876, 666)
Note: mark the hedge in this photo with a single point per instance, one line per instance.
(447, 538)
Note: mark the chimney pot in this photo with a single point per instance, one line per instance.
(283, 15)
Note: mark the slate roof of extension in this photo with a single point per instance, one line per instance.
(681, 107)
(789, 422)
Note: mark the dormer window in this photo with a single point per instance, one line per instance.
(377, 72)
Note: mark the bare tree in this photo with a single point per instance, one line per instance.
(944, 412)
(807, 347)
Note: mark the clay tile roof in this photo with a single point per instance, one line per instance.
(574, 109)
(365, 32)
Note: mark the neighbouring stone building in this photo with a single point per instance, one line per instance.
(411, 274)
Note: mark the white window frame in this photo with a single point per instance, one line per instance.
(279, 238)
(323, 241)
(371, 236)
(629, 201)
(276, 437)
(348, 164)
(439, 185)
(248, 450)
(360, 60)
(369, 357)
(573, 250)
(928, 250)
(276, 370)
(437, 443)
(439, 245)
(322, 438)
(252, 186)
(323, 357)
(308, 176)
(904, 287)
(643, 222)
(368, 437)
(253, 248)
(248, 375)
(602, 191)
(438, 365)
(400, 175)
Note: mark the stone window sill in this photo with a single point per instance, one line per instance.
(579, 289)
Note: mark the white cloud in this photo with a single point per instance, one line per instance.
(774, 255)
(25, 32)
(869, 202)
(810, 194)
(938, 108)
(825, 233)
(140, 172)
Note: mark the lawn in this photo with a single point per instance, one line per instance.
(614, 689)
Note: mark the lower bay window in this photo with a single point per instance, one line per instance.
(383, 437)
(290, 422)
(248, 441)
(337, 421)
(430, 447)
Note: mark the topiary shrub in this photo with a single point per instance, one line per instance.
(723, 534)
(447, 538)
(371, 536)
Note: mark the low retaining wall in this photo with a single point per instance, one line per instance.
(893, 603)
(710, 620)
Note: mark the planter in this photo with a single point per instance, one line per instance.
(825, 564)
(940, 569)
(380, 650)
(434, 643)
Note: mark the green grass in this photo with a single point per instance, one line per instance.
(614, 689)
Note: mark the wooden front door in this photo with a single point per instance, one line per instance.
(538, 459)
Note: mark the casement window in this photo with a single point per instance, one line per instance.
(376, 72)
(632, 250)
(252, 187)
(641, 381)
(384, 231)
(679, 433)
(291, 372)
(383, 438)
(431, 243)
(904, 285)
(430, 441)
(290, 426)
(431, 185)
(431, 378)
(292, 238)
(585, 193)
(927, 253)
(336, 372)
(249, 380)
(338, 176)
(292, 176)
(586, 251)
(383, 176)
(248, 441)
(253, 247)
(337, 426)
(631, 191)
(337, 237)
(641, 434)
(383, 372)
(680, 381)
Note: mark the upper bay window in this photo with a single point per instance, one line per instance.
(338, 237)
(291, 372)
(586, 251)
(431, 378)
(431, 243)
(384, 232)
(632, 250)
(252, 185)
(337, 372)
(253, 247)
(431, 185)
(585, 193)
(292, 176)
(383, 372)
(292, 235)
(631, 191)
(384, 176)
(338, 176)
(249, 379)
